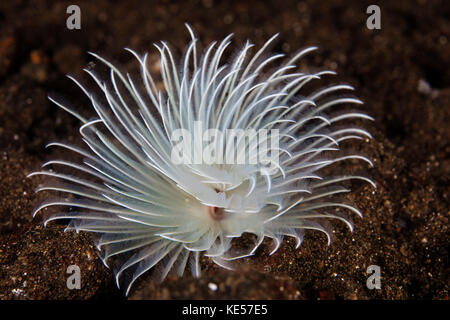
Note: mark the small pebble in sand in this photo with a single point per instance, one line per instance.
(212, 286)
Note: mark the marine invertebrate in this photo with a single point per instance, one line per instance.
(152, 213)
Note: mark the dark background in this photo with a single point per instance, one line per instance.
(401, 72)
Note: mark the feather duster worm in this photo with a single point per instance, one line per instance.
(150, 213)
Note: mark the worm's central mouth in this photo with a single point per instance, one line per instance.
(216, 213)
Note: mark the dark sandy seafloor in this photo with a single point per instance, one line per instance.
(401, 72)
